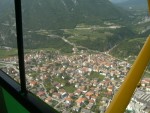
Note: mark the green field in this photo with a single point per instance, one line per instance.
(96, 75)
(70, 88)
(7, 53)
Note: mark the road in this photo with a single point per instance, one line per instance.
(75, 46)
(62, 101)
(47, 95)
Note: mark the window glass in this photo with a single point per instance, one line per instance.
(8, 40)
(77, 52)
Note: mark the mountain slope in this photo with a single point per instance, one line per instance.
(56, 14)
(4, 4)
(128, 47)
(66, 14)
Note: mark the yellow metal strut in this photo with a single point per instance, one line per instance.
(123, 96)
(148, 6)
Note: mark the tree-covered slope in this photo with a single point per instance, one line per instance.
(129, 47)
(56, 14)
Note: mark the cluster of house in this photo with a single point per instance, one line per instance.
(57, 71)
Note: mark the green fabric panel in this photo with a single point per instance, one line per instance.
(3, 108)
(13, 106)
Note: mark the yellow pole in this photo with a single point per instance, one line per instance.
(123, 96)
(148, 6)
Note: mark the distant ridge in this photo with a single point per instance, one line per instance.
(118, 1)
(134, 4)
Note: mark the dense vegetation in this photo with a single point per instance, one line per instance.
(99, 39)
